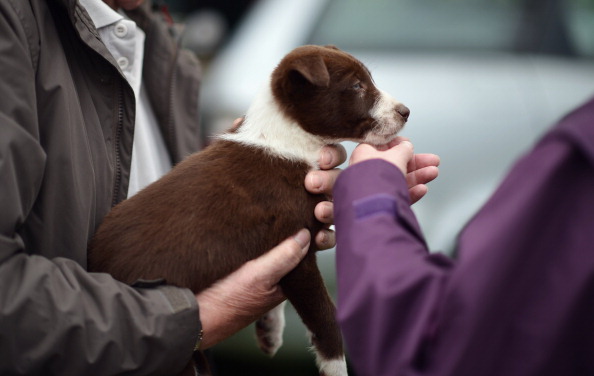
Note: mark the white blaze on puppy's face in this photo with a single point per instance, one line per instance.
(390, 117)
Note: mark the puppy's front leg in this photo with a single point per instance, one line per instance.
(305, 289)
(269, 330)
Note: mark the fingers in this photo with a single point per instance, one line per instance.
(426, 160)
(332, 156)
(321, 182)
(417, 192)
(422, 169)
(324, 212)
(283, 258)
(325, 239)
(422, 176)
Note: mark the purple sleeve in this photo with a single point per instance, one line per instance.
(519, 299)
(383, 267)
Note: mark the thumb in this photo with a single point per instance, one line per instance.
(283, 258)
(402, 154)
(363, 152)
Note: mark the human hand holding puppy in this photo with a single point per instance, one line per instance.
(419, 169)
(243, 296)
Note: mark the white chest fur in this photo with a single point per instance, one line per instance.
(266, 126)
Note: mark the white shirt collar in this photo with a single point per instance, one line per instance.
(101, 13)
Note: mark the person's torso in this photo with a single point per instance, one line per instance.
(86, 112)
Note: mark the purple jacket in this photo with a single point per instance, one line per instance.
(518, 300)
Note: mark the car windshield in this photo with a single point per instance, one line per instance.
(559, 27)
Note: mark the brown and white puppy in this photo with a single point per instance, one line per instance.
(244, 194)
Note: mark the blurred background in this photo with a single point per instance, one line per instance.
(483, 79)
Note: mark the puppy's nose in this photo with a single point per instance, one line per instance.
(403, 111)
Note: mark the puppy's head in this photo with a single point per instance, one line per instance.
(331, 94)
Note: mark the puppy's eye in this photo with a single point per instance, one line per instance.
(357, 86)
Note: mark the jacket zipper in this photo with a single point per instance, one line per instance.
(118, 135)
(170, 126)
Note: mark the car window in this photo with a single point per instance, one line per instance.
(563, 27)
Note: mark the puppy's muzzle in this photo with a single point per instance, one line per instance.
(403, 111)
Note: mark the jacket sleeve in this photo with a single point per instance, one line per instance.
(388, 283)
(520, 290)
(56, 318)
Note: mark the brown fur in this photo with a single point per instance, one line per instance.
(204, 219)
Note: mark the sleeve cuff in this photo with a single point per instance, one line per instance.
(374, 187)
(185, 328)
(371, 177)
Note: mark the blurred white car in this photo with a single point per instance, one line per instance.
(483, 79)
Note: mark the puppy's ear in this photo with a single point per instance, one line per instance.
(313, 69)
